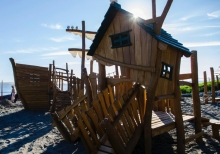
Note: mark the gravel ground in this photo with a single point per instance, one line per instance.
(31, 132)
(166, 143)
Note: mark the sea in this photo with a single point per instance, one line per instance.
(5, 88)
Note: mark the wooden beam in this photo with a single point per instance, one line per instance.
(74, 30)
(77, 49)
(194, 137)
(151, 21)
(159, 24)
(83, 54)
(186, 83)
(185, 76)
(146, 68)
(213, 84)
(205, 86)
(113, 81)
(153, 9)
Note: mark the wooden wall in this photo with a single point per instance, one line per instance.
(32, 82)
(139, 53)
(165, 86)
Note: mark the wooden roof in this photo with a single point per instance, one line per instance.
(109, 16)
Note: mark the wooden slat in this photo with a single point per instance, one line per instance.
(185, 76)
(103, 104)
(86, 136)
(193, 137)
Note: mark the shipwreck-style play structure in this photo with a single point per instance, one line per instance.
(32, 84)
(111, 116)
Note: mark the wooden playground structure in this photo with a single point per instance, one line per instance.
(111, 116)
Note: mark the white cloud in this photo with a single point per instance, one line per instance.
(201, 44)
(60, 53)
(187, 17)
(215, 14)
(62, 39)
(31, 50)
(52, 26)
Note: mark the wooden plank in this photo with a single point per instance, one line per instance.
(185, 76)
(103, 104)
(144, 48)
(86, 137)
(106, 97)
(124, 122)
(111, 94)
(117, 29)
(93, 135)
(194, 137)
(136, 67)
(25, 66)
(154, 52)
(113, 136)
(113, 52)
(186, 83)
(97, 108)
(124, 27)
(94, 118)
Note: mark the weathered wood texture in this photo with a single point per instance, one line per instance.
(32, 85)
(60, 110)
(138, 54)
(62, 119)
(164, 86)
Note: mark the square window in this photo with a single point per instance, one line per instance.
(166, 71)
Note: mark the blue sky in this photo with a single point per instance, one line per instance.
(34, 32)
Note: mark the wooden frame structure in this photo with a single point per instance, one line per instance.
(32, 85)
(142, 61)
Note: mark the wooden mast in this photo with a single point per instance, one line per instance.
(83, 55)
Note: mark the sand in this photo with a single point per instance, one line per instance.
(30, 132)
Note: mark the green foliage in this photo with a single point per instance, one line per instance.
(187, 89)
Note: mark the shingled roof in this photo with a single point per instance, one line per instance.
(109, 16)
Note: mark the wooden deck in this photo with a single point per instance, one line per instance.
(163, 121)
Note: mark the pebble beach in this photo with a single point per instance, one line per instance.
(31, 132)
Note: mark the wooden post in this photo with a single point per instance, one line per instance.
(217, 82)
(83, 54)
(205, 87)
(213, 84)
(154, 9)
(102, 77)
(88, 88)
(116, 70)
(195, 96)
(91, 66)
(67, 75)
(177, 108)
(149, 105)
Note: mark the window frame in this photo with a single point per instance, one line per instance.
(120, 39)
(166, 71)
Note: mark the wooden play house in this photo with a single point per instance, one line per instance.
(147, 55)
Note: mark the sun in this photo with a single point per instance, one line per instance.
(137, 13)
